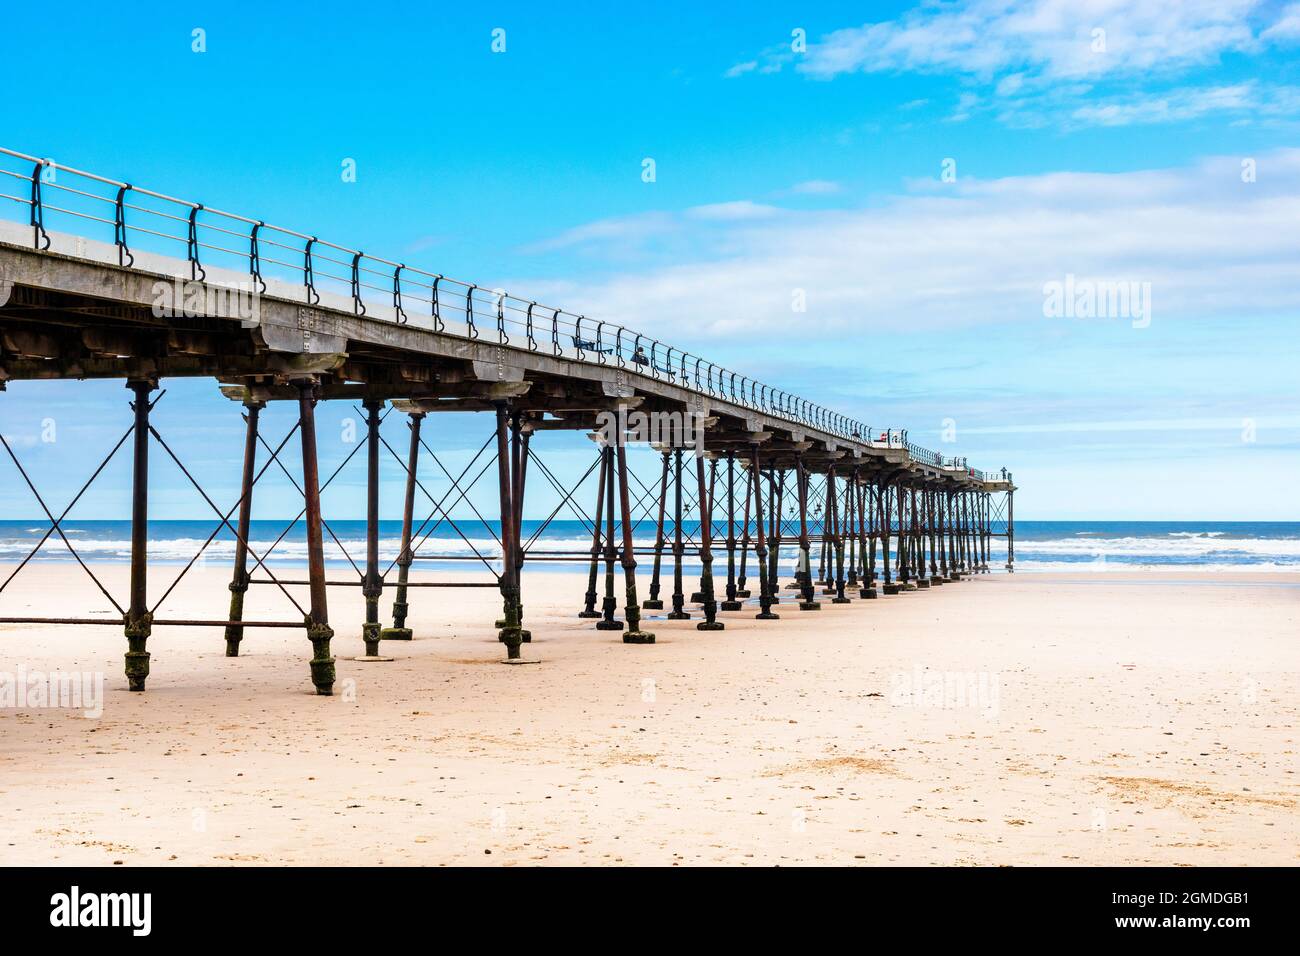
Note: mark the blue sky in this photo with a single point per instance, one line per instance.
(1111, 157)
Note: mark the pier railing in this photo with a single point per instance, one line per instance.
(388, 290)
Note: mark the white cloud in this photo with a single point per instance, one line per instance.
(967, 252)
(1168, 107)
(815, 187)
(1287, 26)
(1050, 60)
(1051, 39)
(731, 211)
(740, 69)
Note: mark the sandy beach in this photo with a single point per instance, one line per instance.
(1142, 718)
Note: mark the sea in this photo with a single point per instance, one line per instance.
(1224, 546)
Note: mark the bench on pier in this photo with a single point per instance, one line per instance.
(587, 345)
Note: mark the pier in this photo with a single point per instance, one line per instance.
(102, 279)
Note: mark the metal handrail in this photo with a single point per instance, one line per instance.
(319, 264)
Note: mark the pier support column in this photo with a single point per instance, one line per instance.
(372, 585)
(986, 525)
(887, 584)
(851, 526)
(511, 634)
(867, 526)
(589, 609)
(805, 561)
(936, 535)
(775, 496)
(1011, 532)
(519, 440)
(239, 580)
(742, 591)
(838, 524)
(826, 566)
(707, 599)
(632, 611)
(653, 602)
(765, 587)
(319, 631)
(399, 631)
(610, 603)
(139, 622)
(731, 604)
(918, 537)
(679, 612)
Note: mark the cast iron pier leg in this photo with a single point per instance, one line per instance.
(765, 588)
(399, 631)
(710, 622)
(239, 582)
(589, 611)
(731, 604)
(805, 559)
(319, 631)
(632, 611)
(139, 622)
(511, 634)
(741, 590)
(653, 603)
(678, 613)
(372, 586)
(610, 604)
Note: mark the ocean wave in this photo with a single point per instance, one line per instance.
(1167, 545)
(1102, 567)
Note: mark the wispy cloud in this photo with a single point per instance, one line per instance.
(950, 254)
(1054, 39)
(815, 187)
(1077, 62)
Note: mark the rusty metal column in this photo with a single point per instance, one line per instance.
(710, 622)
(633, 634)
(904, 557)
(589, 611)
(963, 526)
(239, 581)
(610, 604)
(867, 523)
(918, 537)
(399, 631)
(775, 496)
(851, 491)
(519, 439)
(731, 604)
(653, 602)
(139, 622)
(319, 631)
(678, 613)
(741, 590)
(372, 586)
(887, 584)
(765, 588)
(983, 528)
(805, 559)
(936, 536)
(826, 567)
(1011, 531)
(510, 634)
(839, 525)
